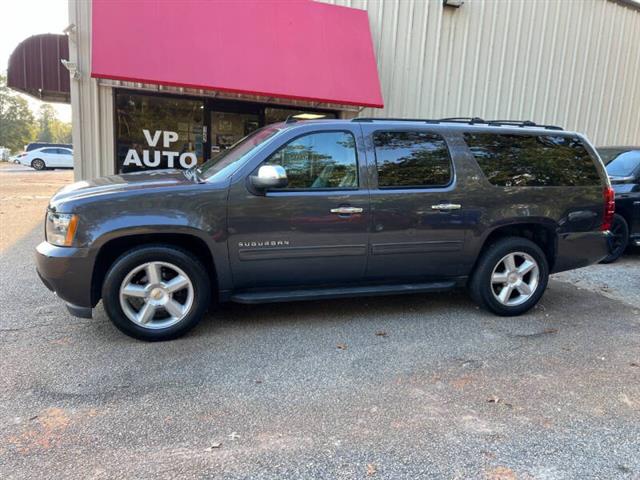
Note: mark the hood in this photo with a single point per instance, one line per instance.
(114, 184)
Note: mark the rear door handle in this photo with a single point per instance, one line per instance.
(446, 206)
(347, 210)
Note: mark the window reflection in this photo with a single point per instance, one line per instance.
(533, 160)
(319, 160)
(411, 159)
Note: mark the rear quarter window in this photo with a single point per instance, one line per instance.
(412, 159)
(509, 160)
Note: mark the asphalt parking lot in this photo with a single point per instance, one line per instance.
(423, 386)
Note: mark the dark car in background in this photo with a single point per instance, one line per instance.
(623, 168)
(35, 145)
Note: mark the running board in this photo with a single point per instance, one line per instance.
(273, 296)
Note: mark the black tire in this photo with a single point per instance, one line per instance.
(619, 239)
(38, 164)
(136, 257)
(482, 289)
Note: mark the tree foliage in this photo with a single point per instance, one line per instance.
(50, 128)
(17, 125)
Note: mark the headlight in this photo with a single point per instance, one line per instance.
(61, 228)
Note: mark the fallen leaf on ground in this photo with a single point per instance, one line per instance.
(496, 400)
(342, 346)
(213, 446)
(501, 473)
(371, 470)
(634, 364)
(381, 333)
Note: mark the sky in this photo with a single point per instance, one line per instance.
(23, 18)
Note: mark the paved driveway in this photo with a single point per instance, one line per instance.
(409, 387)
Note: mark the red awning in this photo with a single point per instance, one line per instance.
(35, 68)
(295, 49)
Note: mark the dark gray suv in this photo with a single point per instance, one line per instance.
(333, 208)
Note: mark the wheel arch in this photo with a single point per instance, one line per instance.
(113, 248)
(541, 233)
(626, 212)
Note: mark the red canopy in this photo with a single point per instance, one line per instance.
(295, 49)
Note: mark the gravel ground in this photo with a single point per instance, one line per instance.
(24, 194)
(620, 281)
(422, 386)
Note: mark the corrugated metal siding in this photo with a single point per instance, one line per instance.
(91, 104)
(574, 63)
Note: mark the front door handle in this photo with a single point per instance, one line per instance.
(446, 206)
(347, 210)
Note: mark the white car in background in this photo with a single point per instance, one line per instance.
(48, 157)
(16, 158)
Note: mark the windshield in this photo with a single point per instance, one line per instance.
(624, 163)
(608, 154)
(226, 162)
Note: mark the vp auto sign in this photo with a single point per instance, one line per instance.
(184, 160)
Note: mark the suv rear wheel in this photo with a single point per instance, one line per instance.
(156, 292)
(510, 277)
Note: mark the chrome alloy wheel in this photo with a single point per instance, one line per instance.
(156, 295)
(515, 279)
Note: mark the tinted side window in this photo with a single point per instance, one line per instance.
(319, 160)
(533, 160)
(63, 151)
(50, 150)
(411, 159)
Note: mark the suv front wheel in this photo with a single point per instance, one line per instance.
(156, 292)
(510, 277)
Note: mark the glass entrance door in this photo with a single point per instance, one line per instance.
(229, 127)
(228, 121)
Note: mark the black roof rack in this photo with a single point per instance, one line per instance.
(390, 119)
(470, 120)
(465, 120)
(525, 123)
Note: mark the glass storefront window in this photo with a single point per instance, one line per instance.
(155, 131)
(158, 132)
(227, 128)
(274, 114)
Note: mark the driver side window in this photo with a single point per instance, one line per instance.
(322, 160)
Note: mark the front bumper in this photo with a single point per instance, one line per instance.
(67, 271)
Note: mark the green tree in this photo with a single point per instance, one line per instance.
(17, 125)
(61, 131)
(46, 119)
(50, 128)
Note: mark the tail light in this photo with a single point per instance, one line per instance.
(609, 208)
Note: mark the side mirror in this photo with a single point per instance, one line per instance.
(270, 176)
